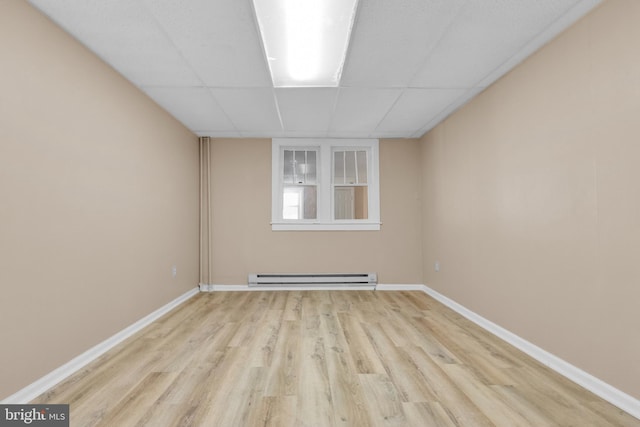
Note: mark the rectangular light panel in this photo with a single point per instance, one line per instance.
(305, 40)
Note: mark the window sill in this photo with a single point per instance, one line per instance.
(326, 226)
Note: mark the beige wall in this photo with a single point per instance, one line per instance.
(531, 198)
(99, 195)
(243, 242)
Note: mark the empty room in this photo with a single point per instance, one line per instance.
(320, 213)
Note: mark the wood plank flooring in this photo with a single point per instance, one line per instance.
(320, 359)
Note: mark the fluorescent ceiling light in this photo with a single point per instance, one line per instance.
(305, 40)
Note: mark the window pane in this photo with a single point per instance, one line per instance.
(287, 166)
(361, 202)
(362, 167)
(300, 165)
(351, 202)
(350, 167)
(291, 203)
(299, 202)
(311, 167)
(310, 207)
(338, 167)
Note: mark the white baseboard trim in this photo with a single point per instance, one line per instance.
(38, 387)
(399, 287)
(247, 288)
(598, 387)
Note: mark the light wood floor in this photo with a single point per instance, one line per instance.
(320, 359)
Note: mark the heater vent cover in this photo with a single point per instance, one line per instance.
(351, 279)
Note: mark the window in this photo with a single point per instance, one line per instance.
(350, 189)
(299, 190)
(325, 184)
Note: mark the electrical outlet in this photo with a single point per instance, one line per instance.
(174, 271)
(436, 266)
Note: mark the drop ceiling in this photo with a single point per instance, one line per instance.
(410, 63)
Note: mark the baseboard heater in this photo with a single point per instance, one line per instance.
(322, 279)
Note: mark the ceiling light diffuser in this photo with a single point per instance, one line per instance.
(305, 40)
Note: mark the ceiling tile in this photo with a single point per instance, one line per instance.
(416, 107)
(391, 40)
(397, 134)
(483, 36)
(194, 107)
(252, 110)
(218, 38)
(305, 134)
(361, 109)
(262, 134)
(125, 35)
(351, 134)
(308, 109)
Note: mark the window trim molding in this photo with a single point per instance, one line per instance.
(324, 221)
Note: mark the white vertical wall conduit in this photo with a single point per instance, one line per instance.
(205, 212)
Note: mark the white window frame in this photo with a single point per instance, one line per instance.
(324, 220)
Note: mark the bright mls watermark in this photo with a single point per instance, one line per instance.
(34, 415)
